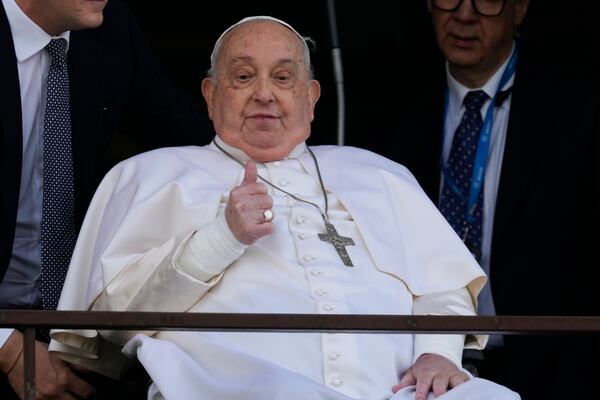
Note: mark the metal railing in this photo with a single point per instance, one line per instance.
(29, 320)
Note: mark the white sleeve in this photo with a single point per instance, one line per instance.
(454, 302)
(210, 250)
(153, 282)
(163, 280)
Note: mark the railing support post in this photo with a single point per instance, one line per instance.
(29, 363)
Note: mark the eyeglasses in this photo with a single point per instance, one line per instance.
(487, 8)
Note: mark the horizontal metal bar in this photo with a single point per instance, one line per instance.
(298, 322)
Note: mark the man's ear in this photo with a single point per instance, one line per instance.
(208, 90)
(314, 92)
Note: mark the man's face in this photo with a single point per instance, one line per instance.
(58, 16)
(473, 42)
(261, 100)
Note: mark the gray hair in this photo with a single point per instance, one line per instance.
(218, 48)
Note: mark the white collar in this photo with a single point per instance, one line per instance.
(457, 91)
(28, 37)
(241, 156)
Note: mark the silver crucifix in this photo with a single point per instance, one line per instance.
(339, 242)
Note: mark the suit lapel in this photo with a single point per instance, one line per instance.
(85, 75)
(437, 139)
(423, 155)
(519, 153)
(11, 130)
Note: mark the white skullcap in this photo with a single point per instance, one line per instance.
(255, 18)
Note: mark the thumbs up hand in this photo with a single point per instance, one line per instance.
(245, 209)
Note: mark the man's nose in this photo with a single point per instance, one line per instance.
(262, 91)
(466, 11)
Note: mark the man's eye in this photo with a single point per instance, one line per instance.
(243, 77)
(283, 78)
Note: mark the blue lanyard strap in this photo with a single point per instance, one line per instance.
(483, 146)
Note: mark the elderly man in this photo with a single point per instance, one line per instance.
(259, 222)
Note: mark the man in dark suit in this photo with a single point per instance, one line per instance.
(112, 75)
(541, 185)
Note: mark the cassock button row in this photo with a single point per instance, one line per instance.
(283, 182)
(328, 307)
(308, 257)
(303, 236)
(337, 382)
(321, 292)
(316, 272)
(334, 356)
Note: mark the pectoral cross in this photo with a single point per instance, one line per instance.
(339, 242)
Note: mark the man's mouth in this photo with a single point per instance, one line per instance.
(463, 40)
(262, 116)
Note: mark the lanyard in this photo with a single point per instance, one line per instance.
(483, 146)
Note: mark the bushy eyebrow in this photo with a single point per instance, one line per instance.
(241, 59)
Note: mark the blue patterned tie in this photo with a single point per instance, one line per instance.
(459, 167)
(58, 226)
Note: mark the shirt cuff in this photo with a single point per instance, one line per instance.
(452, 302)
(210, 250)
(449, 346)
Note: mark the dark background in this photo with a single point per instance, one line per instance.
(388, 51)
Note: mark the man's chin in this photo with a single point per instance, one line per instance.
(266, 155)
(89, 22)
(464, 59)
(463, 55)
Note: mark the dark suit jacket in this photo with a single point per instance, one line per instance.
(113, 74)
(548, 206)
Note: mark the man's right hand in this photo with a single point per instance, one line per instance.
(53, 377)
(245, 208)
(431, 373)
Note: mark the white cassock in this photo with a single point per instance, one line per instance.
(155, 239)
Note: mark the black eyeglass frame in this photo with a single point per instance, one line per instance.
(473, 3)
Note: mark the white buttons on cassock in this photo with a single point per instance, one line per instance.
(316, 272)
(337, 382)
(283, 182)
(276, 163)
(321, 292)
(300, 220)
(303, 236)
(334, 356)
(328, 307)
(308, 257)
